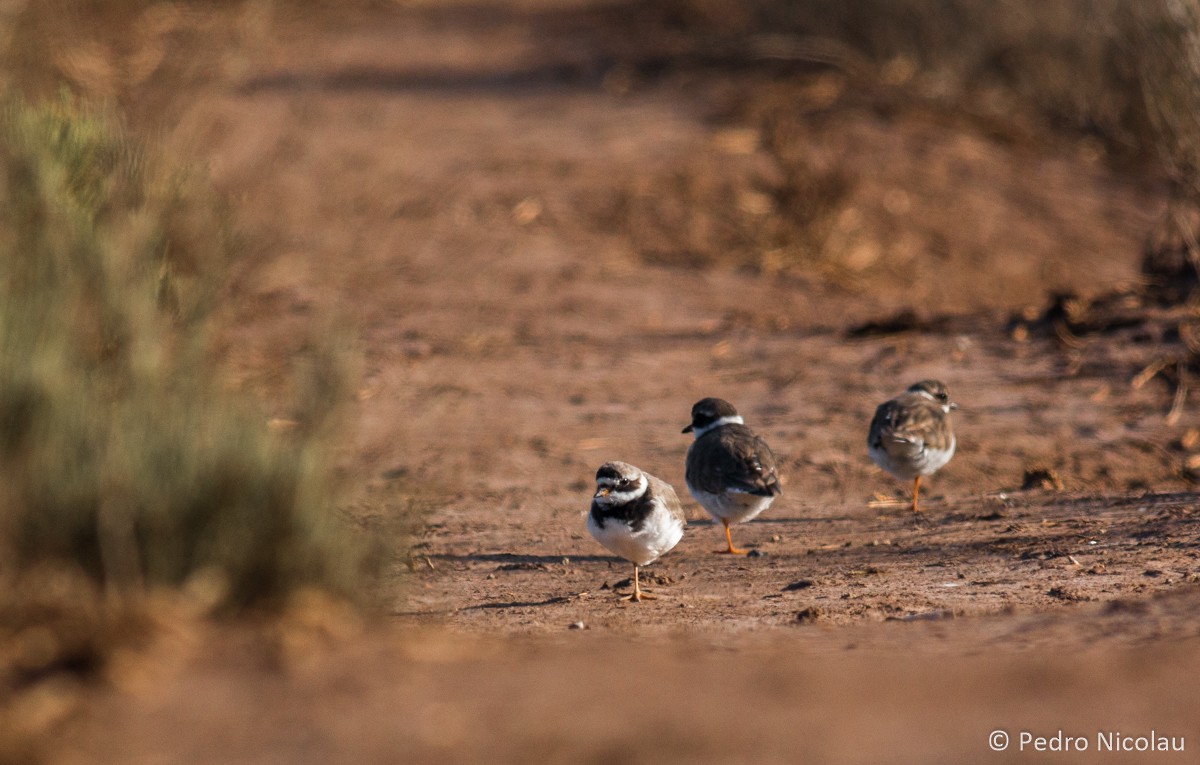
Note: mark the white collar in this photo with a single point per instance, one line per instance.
(733, 419)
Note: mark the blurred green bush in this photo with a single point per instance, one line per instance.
(121, 451)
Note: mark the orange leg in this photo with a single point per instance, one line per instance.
(730, 549)
(916, 490)
(638, 594)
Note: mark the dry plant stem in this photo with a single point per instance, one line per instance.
(1181, 392)
(1066, 336)
(1150, 370)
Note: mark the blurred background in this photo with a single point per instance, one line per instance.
(314, 311)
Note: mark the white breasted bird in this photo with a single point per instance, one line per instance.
(635, 516)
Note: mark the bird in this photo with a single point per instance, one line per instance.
(635, 516)
(729, 470)
(911, 435)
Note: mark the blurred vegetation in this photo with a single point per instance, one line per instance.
(1120, 79)
(121, 49)
(1123, 70)
(130, 471)
(121, 451)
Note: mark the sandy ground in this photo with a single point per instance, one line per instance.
(546, 251)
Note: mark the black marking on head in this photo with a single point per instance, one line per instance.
(619, 476)
(706, 411)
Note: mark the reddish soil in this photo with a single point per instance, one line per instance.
(546, 251)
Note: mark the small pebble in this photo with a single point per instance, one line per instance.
(577, 626)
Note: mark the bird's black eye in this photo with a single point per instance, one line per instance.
(943, 396)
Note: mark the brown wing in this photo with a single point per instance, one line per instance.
(733, 458)
(670, 499)
(909, 419)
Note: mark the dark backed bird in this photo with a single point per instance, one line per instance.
(729, 470)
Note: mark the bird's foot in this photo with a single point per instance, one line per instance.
(637, 596)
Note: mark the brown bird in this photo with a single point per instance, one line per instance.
(911, 435)
(729, 470)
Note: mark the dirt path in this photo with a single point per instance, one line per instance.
(512, 215)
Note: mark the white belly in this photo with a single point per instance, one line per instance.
(916, 460)
(732, 506)
(658, 534)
